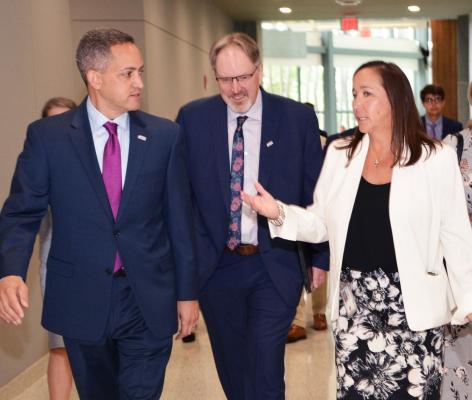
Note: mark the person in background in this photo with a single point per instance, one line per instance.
(323, 134)
(59, 372)
(457, 381)
(437, 126)
(341, 134)
(391, 203)
(297, 330)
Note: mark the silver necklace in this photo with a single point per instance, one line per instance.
(377, 161)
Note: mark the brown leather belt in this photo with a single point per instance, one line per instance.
(243, 249)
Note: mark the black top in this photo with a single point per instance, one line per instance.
(369, 242)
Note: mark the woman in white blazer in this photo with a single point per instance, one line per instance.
(391, 203)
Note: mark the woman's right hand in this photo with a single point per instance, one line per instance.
(263, 203)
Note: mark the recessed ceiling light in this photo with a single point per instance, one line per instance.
(285, 10)
(348, 3)
(414, 9)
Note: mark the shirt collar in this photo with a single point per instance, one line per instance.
(97, 119)
(255, 112)
(429, 122)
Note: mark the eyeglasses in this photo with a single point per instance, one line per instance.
(431, 100)
(242, 79)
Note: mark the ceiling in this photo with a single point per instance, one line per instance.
(250, 10)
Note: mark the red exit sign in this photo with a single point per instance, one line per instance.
(349, 24)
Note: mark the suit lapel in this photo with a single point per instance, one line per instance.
(81, 137)
(220, 139)
(269, 138)
(137, 149)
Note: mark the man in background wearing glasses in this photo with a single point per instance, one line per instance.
(250, 284)
(436, 125)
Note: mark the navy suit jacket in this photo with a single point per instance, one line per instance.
(449, 126)
(288, 169)
(153, 232)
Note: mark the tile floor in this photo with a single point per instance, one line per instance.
(191, 373)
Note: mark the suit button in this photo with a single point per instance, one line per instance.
(116, 234)
(109, 271)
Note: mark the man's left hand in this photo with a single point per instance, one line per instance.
(188, 312)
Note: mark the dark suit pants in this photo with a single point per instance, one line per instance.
(247, 323)
(128, 362)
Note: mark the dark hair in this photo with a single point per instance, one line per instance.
(239, 39)
(57, 102)
(93, 51)
(435, 90)
(407, 130)
(308, 104)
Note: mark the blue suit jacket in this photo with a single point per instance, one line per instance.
(153, 232)
(288, 168)
(449, 126)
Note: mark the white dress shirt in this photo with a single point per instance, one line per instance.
(100, 136)
(252, 144)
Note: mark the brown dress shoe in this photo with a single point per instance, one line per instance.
(295, 333)
(319, 322)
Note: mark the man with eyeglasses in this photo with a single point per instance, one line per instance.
(436, 125)
(250, 284)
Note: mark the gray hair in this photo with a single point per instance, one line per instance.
(239, 39)
(93, 51)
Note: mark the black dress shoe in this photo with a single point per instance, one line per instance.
(189, 338)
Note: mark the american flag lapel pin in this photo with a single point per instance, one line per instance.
(142, 137)
(269, 143)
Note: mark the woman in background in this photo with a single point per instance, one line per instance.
(390, 201)
(457, 381)
(59, 372)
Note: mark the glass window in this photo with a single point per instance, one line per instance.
(301, 83)
(344, 115)
(295, 57)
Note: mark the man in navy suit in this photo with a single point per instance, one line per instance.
(435, 123)
(250, 284)
(121, 266)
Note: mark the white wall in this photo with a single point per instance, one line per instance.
(179, 35)
(174, 37)
(36, 64)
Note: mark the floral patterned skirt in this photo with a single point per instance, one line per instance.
(457, 381)
(377, 355)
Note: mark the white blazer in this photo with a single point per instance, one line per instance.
(429, 221)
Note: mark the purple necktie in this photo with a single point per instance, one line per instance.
(112, 174)
(434, 134)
